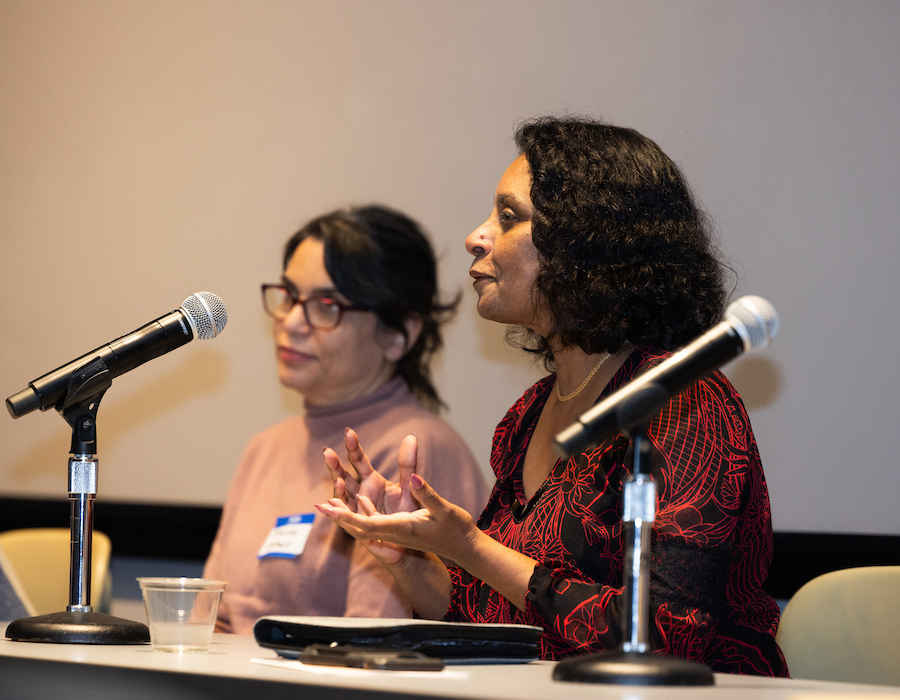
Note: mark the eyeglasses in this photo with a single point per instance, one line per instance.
(322, 313)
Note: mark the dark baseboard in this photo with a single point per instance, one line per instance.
(801, 556)
(136, 529)
(187, 532)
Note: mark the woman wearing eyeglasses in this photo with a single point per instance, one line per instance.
(356, 322)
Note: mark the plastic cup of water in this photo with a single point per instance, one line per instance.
(181, 612)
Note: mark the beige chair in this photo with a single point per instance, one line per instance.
(845, 626)
(40, 561)
(13, 601)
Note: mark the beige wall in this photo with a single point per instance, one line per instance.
(149, 150)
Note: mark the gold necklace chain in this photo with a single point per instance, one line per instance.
(583, 384)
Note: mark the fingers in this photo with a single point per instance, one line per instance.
(345, 486)
(427, 496)
(359, 522)
(366, 505)
(358, 526)
(358, 459)
(407, 460)
(343, 494)
(333, 464)
(367, 523)
(336, 510)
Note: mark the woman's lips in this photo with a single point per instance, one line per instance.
(479, 278)
(292, 356)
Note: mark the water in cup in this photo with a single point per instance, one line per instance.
(180, 636)
(181, 612)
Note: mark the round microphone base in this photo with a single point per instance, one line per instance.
(78, 628)
(632, 668)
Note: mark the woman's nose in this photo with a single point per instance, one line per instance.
(295, 321)
(478, 242)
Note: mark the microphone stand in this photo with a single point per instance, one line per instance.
(79, 624)
(633, 663)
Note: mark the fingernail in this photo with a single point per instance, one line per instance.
(416, 481)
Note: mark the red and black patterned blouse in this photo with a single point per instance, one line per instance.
(712, 540)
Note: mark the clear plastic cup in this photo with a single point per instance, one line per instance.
(181, 612)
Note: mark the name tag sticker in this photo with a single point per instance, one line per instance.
(288, 538)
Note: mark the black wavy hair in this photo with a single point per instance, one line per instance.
(626, 255)
(381, 260)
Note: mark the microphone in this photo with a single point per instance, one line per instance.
(750, 324)
(202, 315)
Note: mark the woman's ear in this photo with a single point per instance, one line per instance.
(397, 346)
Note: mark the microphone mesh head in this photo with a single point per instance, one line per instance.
(207, 314)
(755, 320)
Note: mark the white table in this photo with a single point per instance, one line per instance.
(230, 670)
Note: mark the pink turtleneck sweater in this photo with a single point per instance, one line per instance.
(282, 473)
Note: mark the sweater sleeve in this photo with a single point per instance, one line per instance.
(216, 563)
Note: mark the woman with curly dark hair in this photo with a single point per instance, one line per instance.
(625, 253)
(597, 251)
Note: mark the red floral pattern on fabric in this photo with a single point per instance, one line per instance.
(712, 540)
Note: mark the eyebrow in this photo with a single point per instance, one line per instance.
(510, 200)
(318, 292)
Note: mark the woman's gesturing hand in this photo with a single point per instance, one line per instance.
(397, 522)
(438, 526)
(362, 479)
(362, 489)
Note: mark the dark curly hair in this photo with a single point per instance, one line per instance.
(626, 255)
(381, 260)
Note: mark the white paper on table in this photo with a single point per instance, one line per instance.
(349, 672)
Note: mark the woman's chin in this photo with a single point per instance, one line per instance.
(301, 382)
(485, 308)
(493, 312)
